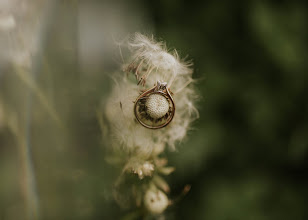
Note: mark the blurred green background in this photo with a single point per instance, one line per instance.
(245, 158)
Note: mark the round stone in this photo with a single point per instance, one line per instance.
(157, 106)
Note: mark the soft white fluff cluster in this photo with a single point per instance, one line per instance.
(151, 57)
(149, 62)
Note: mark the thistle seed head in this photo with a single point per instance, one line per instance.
(132, 101)
(124, 133)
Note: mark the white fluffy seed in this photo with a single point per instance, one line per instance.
(157, 106)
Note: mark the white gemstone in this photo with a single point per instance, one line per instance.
(157, 106)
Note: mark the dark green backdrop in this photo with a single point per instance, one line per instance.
(245, 158)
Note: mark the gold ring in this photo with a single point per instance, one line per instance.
(155, 107)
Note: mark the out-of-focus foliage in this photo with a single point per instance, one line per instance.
(245, 158)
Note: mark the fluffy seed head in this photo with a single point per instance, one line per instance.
(149, 62)
(157, 106)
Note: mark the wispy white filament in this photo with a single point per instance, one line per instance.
(128, 134)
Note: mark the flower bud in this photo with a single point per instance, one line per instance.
(155, 201)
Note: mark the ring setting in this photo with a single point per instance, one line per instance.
(155, 107)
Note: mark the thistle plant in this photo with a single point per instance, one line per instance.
(151, 108)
